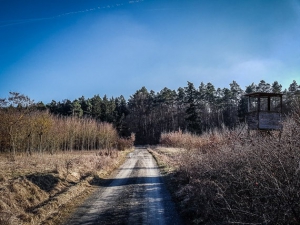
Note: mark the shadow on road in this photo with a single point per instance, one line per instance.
(125, 181)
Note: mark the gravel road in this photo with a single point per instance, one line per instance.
(136, 195)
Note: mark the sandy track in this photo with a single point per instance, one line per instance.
(136, 195)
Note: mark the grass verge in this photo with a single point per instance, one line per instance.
(44, 189)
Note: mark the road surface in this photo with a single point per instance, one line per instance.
(136, 195)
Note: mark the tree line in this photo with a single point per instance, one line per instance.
(147, 114)
(194, 109)
(27, 127)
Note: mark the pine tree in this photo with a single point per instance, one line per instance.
(294, 87)
(76, 108)
(276, 87)
(86, 106)
(251, 88)
(120, 114)
(263, 86)
(96, 102)
(181, 108)
(192, 118)
(139, 121)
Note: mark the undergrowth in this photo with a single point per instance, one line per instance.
(232, 177)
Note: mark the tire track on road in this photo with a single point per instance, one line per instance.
(136, 195)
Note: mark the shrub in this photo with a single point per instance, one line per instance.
(42, 132)
(233, 177)
(126, 143)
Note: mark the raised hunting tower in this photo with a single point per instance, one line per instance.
(264, 111)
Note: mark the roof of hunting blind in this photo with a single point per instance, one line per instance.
(264, 94)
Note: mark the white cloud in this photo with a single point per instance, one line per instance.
(256, 67)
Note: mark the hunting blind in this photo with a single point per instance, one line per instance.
(264, 111)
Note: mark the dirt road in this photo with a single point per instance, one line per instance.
(136, 195)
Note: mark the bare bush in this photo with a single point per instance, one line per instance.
(236, 178)
(41, 132)
(296, 109)
(126, 143)
(189, 141)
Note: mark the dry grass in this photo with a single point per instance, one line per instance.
(63, 163)
(35, 188)
(230, 177)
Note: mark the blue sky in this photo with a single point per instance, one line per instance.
(55, 50)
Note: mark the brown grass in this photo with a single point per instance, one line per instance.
(230, 177)
(36, 188)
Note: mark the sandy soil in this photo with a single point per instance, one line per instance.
(135, 195)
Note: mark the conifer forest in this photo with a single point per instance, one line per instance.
(84, 123)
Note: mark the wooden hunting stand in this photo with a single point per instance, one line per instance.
(264, 111)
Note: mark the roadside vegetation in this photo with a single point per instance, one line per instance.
(43, 188)
(232, 177)
(50, 152)
(26, 129)
(48, 162)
